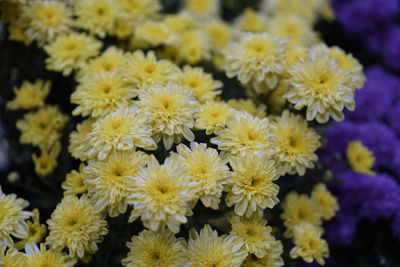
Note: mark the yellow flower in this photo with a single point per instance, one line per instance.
(47, 161)
(108, 180)
(193, 47)
(295, 144)
(44, 20)
(256, 58)
(96, 16)
(30, 95)
(36, 231)
(327, 203)
(360, 158)
(123, 28)
(74, 183)
(162, 195)
(160, 249)
(123, 129)
(271, 259)
(319, 84)
(69, 51)
(277, 98)
(170, 110)
(43, 127)
(109, 61)
(244, 133)
(78, 145)
(100, 94)
(308, 244)
(144, 71)
(208, 249)
(39, 257)
(202, 8)
(138, 10)
(298, 209)
(296, 28)
(75, 224)
(251, 21)
(219, 33)
(212, 115)
(207, 169)
(12, 219)
(248, 106)
(180, 22)
(11, 257)
(17, 33)
(202, 84)
(155, 33)
(345, 62)
(253, 232)
(252, 187)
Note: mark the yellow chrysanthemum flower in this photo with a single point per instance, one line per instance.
(155, 33)
(253, 232)
(96, 16)
(202, 84)
(202, 8)
(294, 143)
(209, 249)
(252, 21)
(123, 129)
(109, 61)
(138, 10)
(308, 243)
(11, 257)
(251, 188)
(69, 51)
(193, 47)
(180, 22)
(46, 163)
(75, 224)
(243, 134)
(298, 209)
(162, 195)
(256, 58)
(74, 183)
(318, 84)
(144, 71)
(345, 62)
(78, 147)
(36, 231)
(44, 20)
(17, 33)
(39, 257)
(327, 203)
(207, 169)
(108, 180)
(298, 30)
(170, 110)
(360, 158)
(212, 115)
(123, 28)
(271, 259)
(219, 33)
(248, 106)
(160, 249)
(43, 127)
(12, 219)
(100, 94)
(30, 95)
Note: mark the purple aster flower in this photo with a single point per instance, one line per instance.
(393, 120)
(379, 85)
(391, 52)
(341, 230)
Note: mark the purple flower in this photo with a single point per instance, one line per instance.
(341, 230)
(394, 121)
(375, 98)
(391, 51)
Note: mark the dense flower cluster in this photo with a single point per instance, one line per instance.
(363, 153)
(157, 141)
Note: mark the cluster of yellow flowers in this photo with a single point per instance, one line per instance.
(146, 89)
